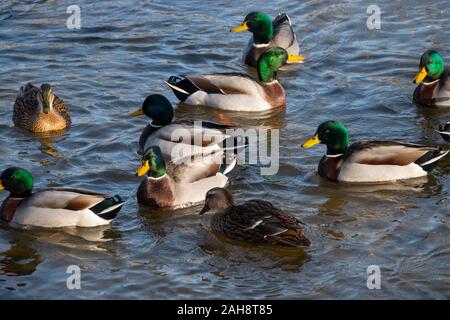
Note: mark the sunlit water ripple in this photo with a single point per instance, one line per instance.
(123, 52)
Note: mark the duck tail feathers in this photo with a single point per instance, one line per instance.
(108, 208)
(429, 160)
(282, 17)
(181, 87)
(234, 143)
(225, 169)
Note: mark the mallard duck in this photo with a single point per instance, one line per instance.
(179, 138)
(236, 91)
(444, 131)
(181, 183)
(55, 207)
(433, 88)
(256, 221)
(267, 34)
(40, 110)
(370, 161)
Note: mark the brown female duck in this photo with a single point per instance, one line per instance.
(40, 110)
(256, 221)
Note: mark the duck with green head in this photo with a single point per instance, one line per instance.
(177, 138)
(256, 221)
(433, 88)
(268, 34)
(370, 161)
(236, 91)
(180, 183)
(55, 207)
(40, 110)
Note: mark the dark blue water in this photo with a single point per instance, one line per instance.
(122, 53)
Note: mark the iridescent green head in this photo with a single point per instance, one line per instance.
(158, 109)
(431, 67)
(331, 133)
(18, 181)
(259, 24)
(153, 163)
(271, 60)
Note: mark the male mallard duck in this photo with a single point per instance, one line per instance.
(444, 131)
(433, 88)
(256, 221)
(182, 182)
(370, 161)
(236, 91)
(267, 34)
(55, 207)
(40, 110)
(179, 138)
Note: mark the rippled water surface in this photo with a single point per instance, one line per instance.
(123, 52)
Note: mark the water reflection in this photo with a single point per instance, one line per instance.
(21, 259)
(242, 253)
(271, 119)
(47, 141)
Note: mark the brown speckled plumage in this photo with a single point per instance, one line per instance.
(27, 113)
(256, 221)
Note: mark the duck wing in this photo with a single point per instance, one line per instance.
(60, 107)
(393, 153)
(26, 103)
(187, 131)
(260, 219)
(76, 200)
(188, 170)
(283, 34)
(216, 83)
(62, 207)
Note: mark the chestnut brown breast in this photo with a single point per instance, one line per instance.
(156, 192)
(275, 94)
(8, 208)
(329, 167)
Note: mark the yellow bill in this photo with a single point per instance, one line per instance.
(137, 113)
(242, 27)
(1, 186)
(292, 58)
(143, 169)
(311, 142)
(420, 76)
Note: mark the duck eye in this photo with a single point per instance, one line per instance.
(327, 131)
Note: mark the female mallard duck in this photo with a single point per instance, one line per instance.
(179, 138)
(236, 91)
(370, 161)
(256, 221)
(40, 110)
(433, 88)
(56, 207)
(267, 34)
(444, 131)
(181, 183)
